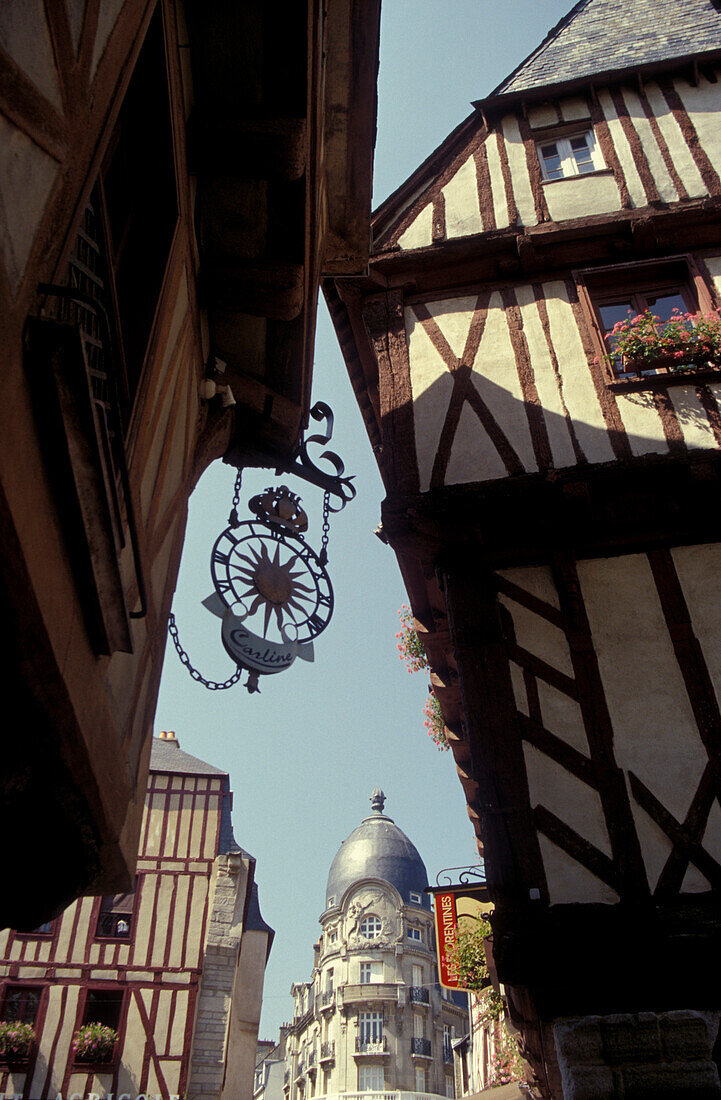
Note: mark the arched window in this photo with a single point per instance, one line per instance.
(370, 928)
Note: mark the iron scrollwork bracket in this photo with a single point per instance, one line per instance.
(467, 876)
(304, 467)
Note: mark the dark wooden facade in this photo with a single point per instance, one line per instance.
(175, 179)
(557, 523)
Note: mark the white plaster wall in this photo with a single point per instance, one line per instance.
(676, 143)
(656, 163)
(579, 196)
(419, 233)
(463, 214)
(703, 104)
(655, 734)
(518, 166)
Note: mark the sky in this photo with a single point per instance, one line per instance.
(305, 754)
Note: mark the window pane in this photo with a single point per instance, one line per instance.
(21, 1004)
(664, 304)
(551, 161)
(581, 147)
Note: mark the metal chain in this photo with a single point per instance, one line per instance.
(323, 556)
(233, 520)
(213, 685)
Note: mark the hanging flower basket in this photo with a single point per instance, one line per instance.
(94, 1043)
(16, 1039)
(643, 344)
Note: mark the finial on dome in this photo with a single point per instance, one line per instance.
(378, 801)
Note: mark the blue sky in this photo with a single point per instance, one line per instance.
(305, 754)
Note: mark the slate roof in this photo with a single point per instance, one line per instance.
(610, 35)
(167, 756)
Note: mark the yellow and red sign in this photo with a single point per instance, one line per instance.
(454, 908)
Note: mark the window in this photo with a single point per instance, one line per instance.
(415, 934)
(22, 1003)
(569, 156)
(370, 1079)
(329, 980)
(115, 918)
(331, 901)
(332, 935)
(370, 972)
(370, 1027)
(416, 898)
(610, 295)
(417, 975)
(418, 1026)
(450, 1090)
(370, 928)
(420, 1079)
(103, 1006)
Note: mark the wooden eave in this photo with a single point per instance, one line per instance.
(281, 142)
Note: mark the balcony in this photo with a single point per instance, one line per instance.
(421, 1048)
(299, 1070)
(371, 1046)
(370, 991)
(311, 1060)
(327, 1051)
(326, 1000)
(419, 995)
(286, 1078)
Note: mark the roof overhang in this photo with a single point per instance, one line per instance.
(280, 141)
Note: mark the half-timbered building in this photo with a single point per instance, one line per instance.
(555, 512)
(175, 175)
(174, 966)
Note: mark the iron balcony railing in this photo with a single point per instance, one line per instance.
(419, 995)
(421, 1047)
(326, 999)
(447, 1053)
(327, 1051)
(371, 1046)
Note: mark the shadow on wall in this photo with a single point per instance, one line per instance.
(509, 418)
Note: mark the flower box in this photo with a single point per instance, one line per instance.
(643, 347)
(94, 1045)
(16, 1039)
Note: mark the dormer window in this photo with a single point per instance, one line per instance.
(331, 901)
(416, 898)
(569, 156)
(370, 928)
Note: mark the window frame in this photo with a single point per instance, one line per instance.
(82, 1019)
(365, 925)
(106, 937)
(598, 286)
(25, 988)
(414, 934)
(562, 138)
(373, 1070)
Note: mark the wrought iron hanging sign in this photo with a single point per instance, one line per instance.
(271, 590)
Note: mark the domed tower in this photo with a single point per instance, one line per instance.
(374, 1018)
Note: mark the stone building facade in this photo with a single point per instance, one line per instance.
(175, 966)
(373, 1017)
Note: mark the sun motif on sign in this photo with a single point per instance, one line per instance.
(272, 586)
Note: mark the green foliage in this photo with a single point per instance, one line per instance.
(468, 958)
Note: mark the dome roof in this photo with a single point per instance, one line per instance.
(377, 848)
